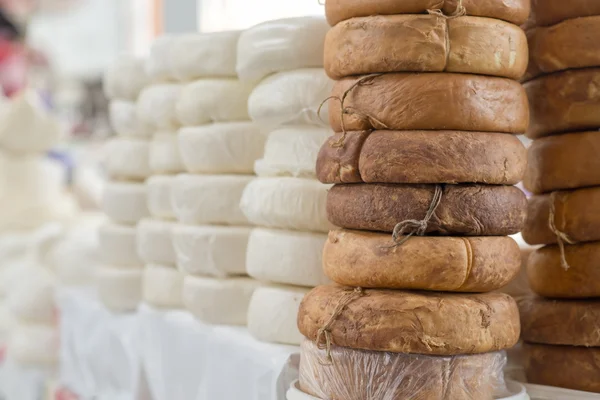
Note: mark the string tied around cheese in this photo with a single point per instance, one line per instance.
(324, 333)
(406, 229)
(321, 2)
(460, 11)
(374, 122)
(561, 237)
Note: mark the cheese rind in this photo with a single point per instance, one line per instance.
(125, 202)
(159, 188)
(123, 119)
(153, 241)
(162, 286)
(164, 156)
(128, 158)
(117, 245)
(125, 79)
(550, 12)
(119, 289)
(158, 64)
(156, 106)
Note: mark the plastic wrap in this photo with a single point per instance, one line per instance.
(162, 286)
(119, 289)
(127, 158)
(292, 151)
(291, 98)
(125, 79)
(125, 202)
(154, 244)
(228, 148)
(369, 375)
(117, 245)
(281, 45)
(164, 157)
(287, 203)
(156, 106)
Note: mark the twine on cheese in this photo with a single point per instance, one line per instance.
(325, 331)
(365, 80)
(460, 11)
(321, 2)
(406, 229)
(561, 237)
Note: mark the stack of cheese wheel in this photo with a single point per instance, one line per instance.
(218, 145)
(286, 201)
(561, 327)
(119, 279)
(425, 108)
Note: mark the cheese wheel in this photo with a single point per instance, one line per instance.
(159, 188)
(123, 119)
(397, 157)
(124, 202)
(292, 151)
(29, 181)
(158, 63)
(549, 278)
(468, 45)
(563, 366)
(449, 264)
(470, 210)
(291, 98)
(218, 251)
(209, 199)
(128, 158)
(218, 301)
(515, 11)
(412, 322)
(273, 312)
(33, 345)
(399, 376)
(213, 100)
(286, 203)
(156, 106)
(560, 322)
(567, 161)
(198, 55)
(564, 101)
(120, 290)
(162, 286)
(575, 215)
(280, 45)
(117, 245)
(223, 148)
(164, 155)
(125, 79)
(154, 244)
(288, 257)
(434, 101)
(550, 12)
(32, 300)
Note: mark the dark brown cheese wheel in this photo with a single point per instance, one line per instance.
(550, 12)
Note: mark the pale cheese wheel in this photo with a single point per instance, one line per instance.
(162, 286)
(290, 98)
(119, 289)
(209, 199)
(153, 243)
(32, 300)
(292, 151)
(30, 180)
(158, 64)
(218, 251)
(164, 155)
(117, 245)
(125, 79)
(218, 301)
(159, 188)
(34, 345)
(281, 45)
(213, 100)
(273, 314)
(287, 203)
(222, 148)
(198, 55)
(288, 257)
(123, 119)
(128, 158)
(156, 106)
(124, 202)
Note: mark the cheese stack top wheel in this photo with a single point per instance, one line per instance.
(200, 55)
(452, 264)
(433, 101)
(159, 188)
(125, 79)
(430, 43)
(515, 11)
(164, 156)
(412, 322)
(117, 245)
(397, 157)
(550, 12)
(280, 45)
(124, 202)
(128, 159)
(471, 210)
(560, 322)
(156, 106)
(158, 63)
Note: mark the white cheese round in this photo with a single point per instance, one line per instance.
(154, 244)
(123, 119)
(158, 63)
(159, 188)
(125, 79)
(117, 245)
(156, 106)
(128, 158)
(164, 154)
(125, 202)
(162, 286)
(119, 289)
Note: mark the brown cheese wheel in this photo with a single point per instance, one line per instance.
(560, 322)
(515, 11)
(468, 210)
(430, 43)
(567, 161)
(451, 264)
(423, 157)
(398, 321)
(432, 101)
(550, 12)
(564, 101)
(399, 376)
(569, 367)
(576, 214)
(548, 278)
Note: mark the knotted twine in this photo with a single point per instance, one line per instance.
(561, 237)
(460, 11)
